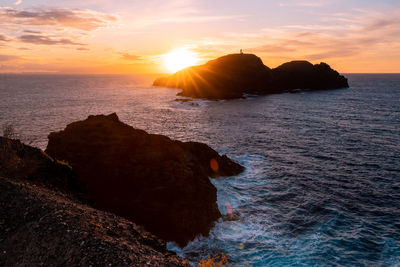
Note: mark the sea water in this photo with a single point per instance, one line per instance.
(322, 179)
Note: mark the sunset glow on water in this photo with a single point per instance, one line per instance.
(321, 185)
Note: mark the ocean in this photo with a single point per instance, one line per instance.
(322, 179)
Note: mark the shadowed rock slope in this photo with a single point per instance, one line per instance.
(233, 75)
(42, 222)
(19, 161)
(156, 182)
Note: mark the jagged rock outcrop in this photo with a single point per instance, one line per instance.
(233, 75)
(156, 182)
(44, 221)
(19, 161)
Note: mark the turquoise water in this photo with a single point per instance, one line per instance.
(322, 179)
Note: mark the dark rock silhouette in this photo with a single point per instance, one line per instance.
(19, 161)
(233, 75)
(306, 76)
(157, 182)
(226, 77)
(44, 220)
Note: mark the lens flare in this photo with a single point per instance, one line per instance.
(214, 165)
(229, 209)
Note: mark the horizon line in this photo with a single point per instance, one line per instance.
(146, 74)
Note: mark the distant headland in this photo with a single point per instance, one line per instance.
(233, 75)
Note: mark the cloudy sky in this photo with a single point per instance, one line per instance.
(119, 36)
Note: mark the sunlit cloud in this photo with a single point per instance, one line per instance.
(127, 56)
(81, 19)
(34, 32)
(83, 49)
(46, 40)
(303, 3)
(18, 2)
(42, 25)
(8, 57)
(158, 12)
(346, 37)
(185, 19)
(273, 48)
(388, 22)
(333, 53)
(3, 38)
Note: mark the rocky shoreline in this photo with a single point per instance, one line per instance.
(105, 193)
(42, 227)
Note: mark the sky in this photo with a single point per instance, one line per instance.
(131, 37)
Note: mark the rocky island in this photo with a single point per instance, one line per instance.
(233, 75)
(105, 193)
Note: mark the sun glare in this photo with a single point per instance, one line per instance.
(179, 59)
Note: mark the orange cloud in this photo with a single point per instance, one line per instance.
(8, 57)
(356, 40)
(3, 38)
(46, 40)
(347, 40)
(127, 56)
(81, 19)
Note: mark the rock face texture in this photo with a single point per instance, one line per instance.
(42, 222)
(150, 179)
(19, 161)
(233, 75)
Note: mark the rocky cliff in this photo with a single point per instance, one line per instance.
(150, 179)
(46, 219)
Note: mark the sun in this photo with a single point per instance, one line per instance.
(179, 59)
